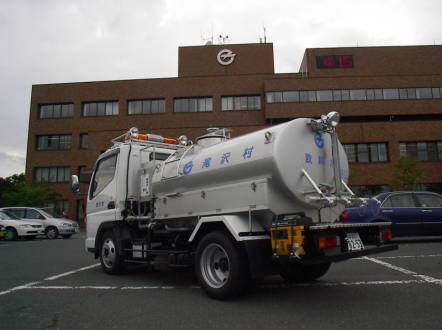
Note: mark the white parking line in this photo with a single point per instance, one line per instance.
(146, 287)
(67, 287)
(71, 272)
(30, 285)
(426, 278)
(264, 286)
(20, 287)
(404, 257)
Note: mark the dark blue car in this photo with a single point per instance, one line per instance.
(411, 213)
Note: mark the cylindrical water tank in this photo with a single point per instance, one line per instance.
(278, 153)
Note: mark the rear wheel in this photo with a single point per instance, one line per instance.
(11, 234)
(111, 261)
(51, 232)
(221, 266)
(298, 272)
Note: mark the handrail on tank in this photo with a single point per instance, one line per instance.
(133, 136)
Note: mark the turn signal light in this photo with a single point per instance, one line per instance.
(328, 242)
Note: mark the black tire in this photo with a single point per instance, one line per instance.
(10, 234)
(66, 236)
(111, 261)
(51, 232)
(221, 266)
(298, 272)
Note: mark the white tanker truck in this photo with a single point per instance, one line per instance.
(237, 209)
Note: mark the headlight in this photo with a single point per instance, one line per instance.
(25, 226)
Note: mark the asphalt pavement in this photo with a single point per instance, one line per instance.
(55, 284)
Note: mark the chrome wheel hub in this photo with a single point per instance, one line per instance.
(215, 265)
(108, 253)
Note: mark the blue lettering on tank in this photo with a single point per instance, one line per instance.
(308, 158)
(247, 152)
(319, 141)
(188, 168)
(321, 160)
(206, 162)
(225, 158)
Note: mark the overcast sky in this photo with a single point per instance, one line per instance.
(53, 41)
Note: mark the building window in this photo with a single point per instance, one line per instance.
(98, 109)
(354, 95)
(357, 95)
(366, 152)
(307, 96)
(424, 151)
(200, 104)
(324, 96)
(291, 96)
(51, 174)
(50, 111)
(54, 142)
(424, 93)
(84, 141)
(60, 208)
(391, 94)
(229, 103)
(144, 107)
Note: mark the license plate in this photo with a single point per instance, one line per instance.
(354, 242)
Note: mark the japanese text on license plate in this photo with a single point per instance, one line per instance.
(354, 242)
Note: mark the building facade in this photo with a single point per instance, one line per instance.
(389, 99)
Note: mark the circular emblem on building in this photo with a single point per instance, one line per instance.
(225, 57)
(319, 141)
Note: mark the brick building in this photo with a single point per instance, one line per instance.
(389, 99)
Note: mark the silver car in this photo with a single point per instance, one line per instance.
(53, 226)
(18, 228)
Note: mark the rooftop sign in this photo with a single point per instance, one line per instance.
(225, 57)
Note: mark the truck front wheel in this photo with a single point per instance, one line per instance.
(221, 266)
(111, 261)
(298, 272)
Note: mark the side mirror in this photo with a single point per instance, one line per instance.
(75, 184)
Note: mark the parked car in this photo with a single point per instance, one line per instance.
(52, 226)
(16, 228)
(412, 213)
(2, 232)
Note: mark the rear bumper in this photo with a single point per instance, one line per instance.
(355, 254)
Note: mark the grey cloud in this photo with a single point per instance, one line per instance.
(50, 41)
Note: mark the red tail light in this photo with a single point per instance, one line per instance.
(344, 217)
(386, 235)
(328, 242)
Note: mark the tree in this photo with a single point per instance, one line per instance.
(408, 173)
(15, 192)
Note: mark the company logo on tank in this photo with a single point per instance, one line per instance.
(188, 168)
